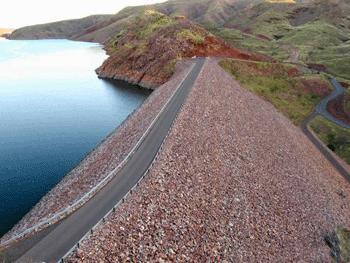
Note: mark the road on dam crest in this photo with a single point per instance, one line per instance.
(60, 239)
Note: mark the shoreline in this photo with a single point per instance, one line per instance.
(96, 164)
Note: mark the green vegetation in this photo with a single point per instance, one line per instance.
(152, 21)
(147, 26)
(249, 42)
(143, 27)
(343, 235)
(337, 59)
(290, 95)
(316, 32)
(339, 243)
(272, 24)
(319, 31)
(336, 138)
(169, 68)
(195, 37)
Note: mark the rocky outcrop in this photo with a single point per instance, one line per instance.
(145, 53)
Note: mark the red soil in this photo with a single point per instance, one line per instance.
(215, 47)
(336, 108)
(293, 72)
(316, 86)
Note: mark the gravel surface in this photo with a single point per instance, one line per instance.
(103, 159)
(235, 181)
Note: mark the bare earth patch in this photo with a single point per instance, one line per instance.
(235, 181)
(336, 108)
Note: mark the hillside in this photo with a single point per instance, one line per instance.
(145, 52)
(312, 32)
(205, 12)
(58, 30)
(100, 28)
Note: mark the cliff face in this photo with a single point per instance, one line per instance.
(145, 53)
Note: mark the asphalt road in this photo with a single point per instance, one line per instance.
(323, 148)
(55, 244)
(321, 109)
(322, 106)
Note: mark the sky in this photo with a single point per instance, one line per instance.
(19, 13)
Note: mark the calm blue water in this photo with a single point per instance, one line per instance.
(53, 111)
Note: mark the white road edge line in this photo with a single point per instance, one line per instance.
(104, 181)
(88, 233)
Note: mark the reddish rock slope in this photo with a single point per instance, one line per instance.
(145, 53)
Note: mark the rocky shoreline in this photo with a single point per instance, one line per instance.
(131, 80)
(102, 160)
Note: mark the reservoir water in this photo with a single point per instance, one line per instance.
(53, 111)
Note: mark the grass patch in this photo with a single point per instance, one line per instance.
(339, 243)
(152, 22)
(272, 24)
(192, 36)
(325, 40)
(343, 235)
(271, 81)
(336, 138)
(338, 66)
(245, 41)
(169, 68)
(317, 34)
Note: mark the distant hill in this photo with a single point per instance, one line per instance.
(100, 28)
(62, 29)
(4, 31)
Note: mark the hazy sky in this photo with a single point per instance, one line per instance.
(18, 13)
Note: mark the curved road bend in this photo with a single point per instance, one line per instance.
(68, 232)
(321, 109)
(323, 148)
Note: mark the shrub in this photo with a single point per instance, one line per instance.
(192, 36)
